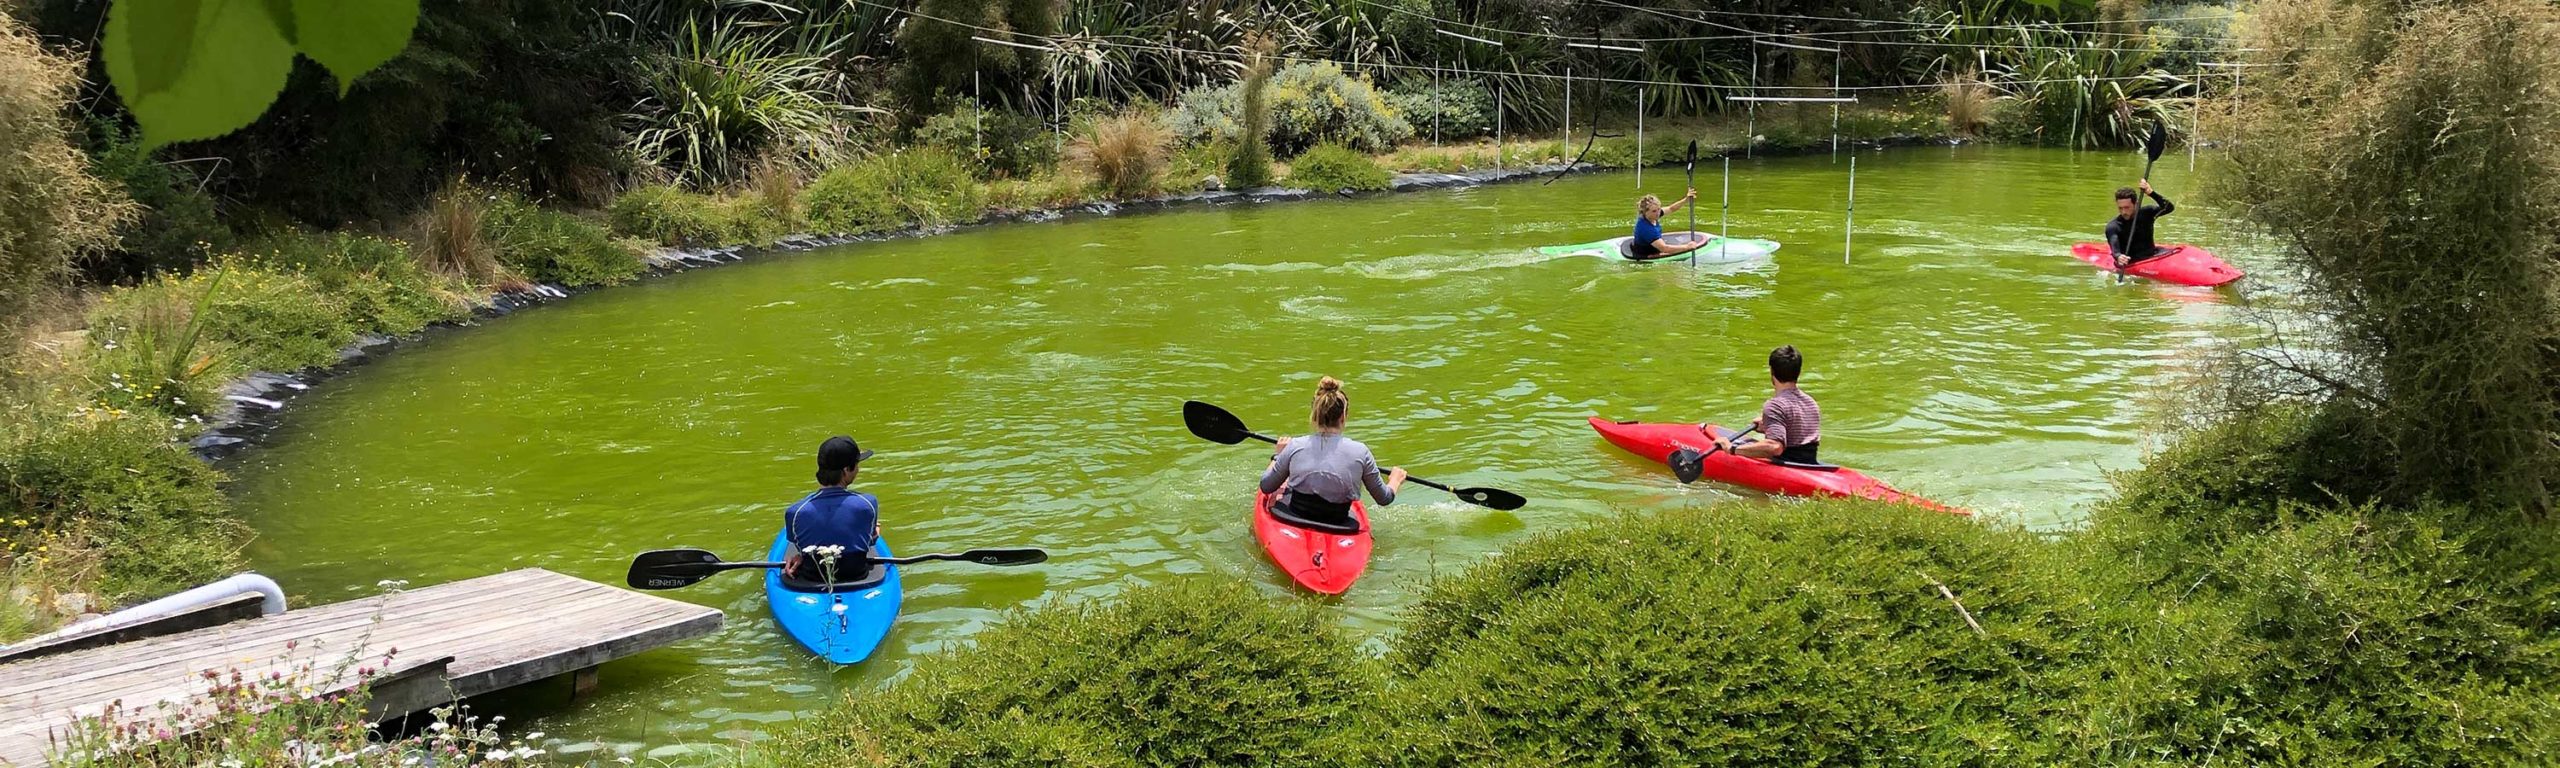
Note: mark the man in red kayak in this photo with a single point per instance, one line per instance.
(2129, 233)
(832, 529)
(1791, 420)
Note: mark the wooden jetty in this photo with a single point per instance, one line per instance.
(444, 643)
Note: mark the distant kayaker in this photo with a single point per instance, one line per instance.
(1648, 240)
(1323, 473)
(1790, 420)
(2129, 233)
(834, 516)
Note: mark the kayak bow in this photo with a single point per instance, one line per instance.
(1322, 561)
(1658, 441)
(842, 623)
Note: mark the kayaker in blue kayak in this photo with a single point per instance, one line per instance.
(1790, 419)
(835, 520)
(1648, 240)
(1324, 472)
(2129, 233)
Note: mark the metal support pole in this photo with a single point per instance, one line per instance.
(1640, 93)
(1753, 130)
(2195, 134)
(1497, 128)
(1835, 106)
(1567, 141)
(978, 107)
(1435, 104)
(1849, 231)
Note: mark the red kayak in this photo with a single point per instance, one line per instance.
(1326, 561)
(1657, 441)
(2181, 263)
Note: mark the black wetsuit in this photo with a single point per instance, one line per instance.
(2131, 240)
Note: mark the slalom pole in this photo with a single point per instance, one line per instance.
(1849, 231)
(1724, 216)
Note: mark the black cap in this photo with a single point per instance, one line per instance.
(837, 454)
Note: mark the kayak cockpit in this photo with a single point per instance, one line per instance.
(1282, 513)
(878, 573)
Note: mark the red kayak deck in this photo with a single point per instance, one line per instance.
(2182, 264)
(1318, 560)
(1658, 441)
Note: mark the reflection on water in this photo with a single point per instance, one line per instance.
(1023, 384)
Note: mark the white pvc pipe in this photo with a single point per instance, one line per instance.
(205, 595)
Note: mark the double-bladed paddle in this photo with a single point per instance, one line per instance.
(1688, 464)
(673, 568)
(1216, 425)
(1691, 168)
(2151, 147)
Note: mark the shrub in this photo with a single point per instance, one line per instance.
(2416, 109)
(1310, 104)
(668, 215)
(914, 187)
(270, 320)
(553, 247)
(724, 97)
(1249, 165)
(1334, 167)
(996, 143)
(451, 239)
(383, 286)
(1194, 672)
(177, 224)
(1125, 153)
(119, 487)
(1799, 634)
(1464, 108)
(52, 210)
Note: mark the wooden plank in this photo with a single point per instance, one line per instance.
(234, 608)
(477, 636)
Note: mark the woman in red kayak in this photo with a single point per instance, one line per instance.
(1319, 475)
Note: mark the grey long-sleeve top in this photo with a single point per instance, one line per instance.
(1331, 466)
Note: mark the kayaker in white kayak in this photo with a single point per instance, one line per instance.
(1648, 240)
(2129, 233)
(834, 520)
(1790, 421)
(1319, 475)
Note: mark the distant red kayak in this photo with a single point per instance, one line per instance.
(1320, 560)
(1658, 441)
(2182, 264)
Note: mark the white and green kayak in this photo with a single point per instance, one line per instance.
(1719, 250)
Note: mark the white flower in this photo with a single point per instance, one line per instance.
(532, 736)
(438, 726)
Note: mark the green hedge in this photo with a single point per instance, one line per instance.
(913, 187)
(118, 491)
(1333, 167)
(266, 319)
(548, 246)
(1196, 672)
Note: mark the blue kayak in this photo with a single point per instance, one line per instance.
(842, 622)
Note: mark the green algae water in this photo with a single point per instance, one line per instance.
(1023, 385)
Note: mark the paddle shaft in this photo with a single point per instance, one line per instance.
(909, 560)
(1425, 483)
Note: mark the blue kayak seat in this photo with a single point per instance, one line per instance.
(878, 572)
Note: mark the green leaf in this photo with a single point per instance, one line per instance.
(226, 67)
(350, 37)
(148, 42)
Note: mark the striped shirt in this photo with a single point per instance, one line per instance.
(1792, 418)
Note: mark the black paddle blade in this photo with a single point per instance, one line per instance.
(1491, 498)
(2158, 140)
(1688, 464)
(1213, 423)
(671, 568)
(1692, 162)
(1021, 556)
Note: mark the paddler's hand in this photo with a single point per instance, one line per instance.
(1693, 194)
(1279, 445)
(2145, 186)
(1395, 478)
